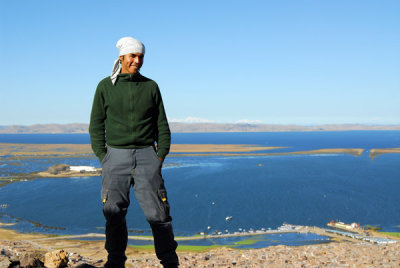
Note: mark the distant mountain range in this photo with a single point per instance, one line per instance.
(198, 127)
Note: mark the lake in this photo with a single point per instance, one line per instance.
(256, 191)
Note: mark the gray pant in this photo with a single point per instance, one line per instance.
(142, 169)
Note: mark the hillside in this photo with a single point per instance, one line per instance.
(198, 127)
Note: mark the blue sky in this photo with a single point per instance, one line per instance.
(272, 62)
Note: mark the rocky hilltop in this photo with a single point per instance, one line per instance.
(345, 250)
(45, 128)
(28, 251)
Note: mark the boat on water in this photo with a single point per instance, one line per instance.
(341, 225)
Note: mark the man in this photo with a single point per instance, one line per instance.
(126, 121)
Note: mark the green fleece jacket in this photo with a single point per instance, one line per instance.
(129, 114)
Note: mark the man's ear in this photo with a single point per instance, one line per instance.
(121, 58)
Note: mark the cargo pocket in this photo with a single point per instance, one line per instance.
(104, 196)
(162, 195)
(104, 186)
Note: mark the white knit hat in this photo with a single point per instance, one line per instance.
(126, 45)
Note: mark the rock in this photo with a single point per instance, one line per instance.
(8, 253)
(14, 260)
(74, 258)
(56, 259)
(4, 261)
(32, 260)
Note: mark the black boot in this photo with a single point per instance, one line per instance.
(165, 244)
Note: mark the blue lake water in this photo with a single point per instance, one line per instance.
(258, 192)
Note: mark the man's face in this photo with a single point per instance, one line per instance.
(131, 63)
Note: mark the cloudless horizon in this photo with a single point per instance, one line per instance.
(271, 62)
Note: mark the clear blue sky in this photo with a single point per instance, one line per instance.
(281, 62)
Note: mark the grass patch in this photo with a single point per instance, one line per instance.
(199, 235)
(246, 242)
(197, 248)
(57, 235)
(393, 234)
(180, 248)
(151, 236)
(143, 247)
(371, 227)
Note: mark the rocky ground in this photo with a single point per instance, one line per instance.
(32, 251)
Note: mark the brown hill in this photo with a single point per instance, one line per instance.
(198, 127)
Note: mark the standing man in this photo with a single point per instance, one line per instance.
(126, 121)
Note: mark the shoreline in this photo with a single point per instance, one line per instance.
(373, 153)
(31, 149)
(338, 252)
(19, 151)
(334, 234)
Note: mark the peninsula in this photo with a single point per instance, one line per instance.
(10, 152)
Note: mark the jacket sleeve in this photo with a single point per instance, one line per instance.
(97, 125)
(163, 132)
